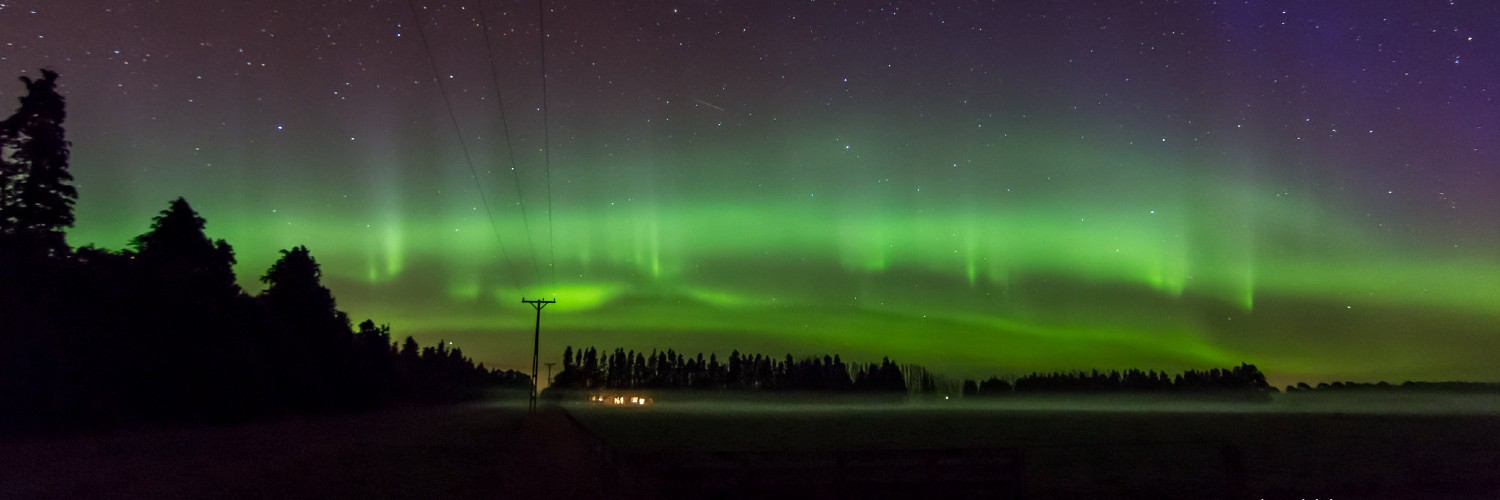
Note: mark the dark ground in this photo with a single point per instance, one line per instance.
(1076, 454)
(438, 452)
(496, 451)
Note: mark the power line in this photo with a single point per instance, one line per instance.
(509, 149)
(463, 144)
(541, 25)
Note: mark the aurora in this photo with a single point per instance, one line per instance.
(982, 190)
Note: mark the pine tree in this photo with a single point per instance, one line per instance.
(36, 190)
(316, 336)
(296, 289)
(177, 251)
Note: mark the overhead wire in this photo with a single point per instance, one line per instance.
(505, 128)
(462, 143)
(541, 24)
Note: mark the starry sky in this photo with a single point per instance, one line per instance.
(979, 187)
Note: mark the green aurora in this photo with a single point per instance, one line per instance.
(1031, 257)
(980, 188)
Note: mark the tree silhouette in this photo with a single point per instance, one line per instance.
(295, 288)
(583, 369)
(36, 190)
(188, 330)
(994, 386)
(315, 336)
(161, 332)
(375, 361)
(176, 252)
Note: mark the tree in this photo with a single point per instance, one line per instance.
(994, 386)
(36, 190)
(177, 252)
(409, 348)
(315, 338)
(296, 290)
(971, 388)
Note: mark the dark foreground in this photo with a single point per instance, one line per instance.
(1002, 453)
(434, 452)
(497, 451)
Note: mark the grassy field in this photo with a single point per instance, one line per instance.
(1119, 451)
(434, 452)
(1060, 448)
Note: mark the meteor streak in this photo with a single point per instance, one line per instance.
(705, 103)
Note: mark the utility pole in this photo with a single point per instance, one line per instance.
(549, 374)
(536, 343)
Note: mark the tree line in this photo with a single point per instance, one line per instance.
(1408, 386)
(594, 369)
(1245, 378)
(591, 368)
(161, 330)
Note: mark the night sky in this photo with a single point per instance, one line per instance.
(979, 187)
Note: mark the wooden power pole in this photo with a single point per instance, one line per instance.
(536, 343)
